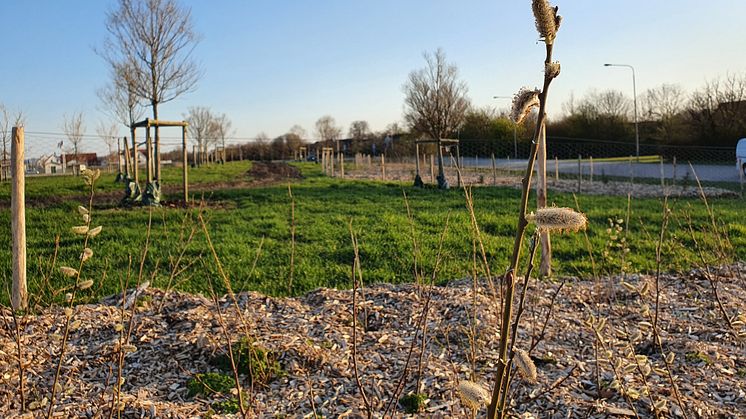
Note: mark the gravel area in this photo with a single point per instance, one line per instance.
(599, 332)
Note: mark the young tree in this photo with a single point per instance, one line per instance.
(201, 128)
(155, 39)
(5, 134)
(119, 98)
(108, 133)
(298, 131)
(327, 129)
(261, 141)
(74, 129)
(435, 102)
(665, 104)
(359, 130)
(222, 130)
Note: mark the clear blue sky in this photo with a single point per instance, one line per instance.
(271, 64)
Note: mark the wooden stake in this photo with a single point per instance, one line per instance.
(135, 157)
(19, 296)
(126, 158)
(673, 177)
(663, 178)
(556, 170)
(590, 178)
(432, 168)
(185, 161)
(740, 175)
(580, 174)
(545, 266)
(341, 165)
(383, 167)
(494, 170)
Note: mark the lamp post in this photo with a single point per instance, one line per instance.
(634, 93)
(515, 129)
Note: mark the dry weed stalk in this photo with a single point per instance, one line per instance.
(357, 275)
(292, 240)
(421, 326)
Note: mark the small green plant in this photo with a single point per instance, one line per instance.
(257, 362)
(210, 383)
(413, 403)
(226, 406)
(698, 357)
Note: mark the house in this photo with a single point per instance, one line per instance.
(49, 165)
(85, 159)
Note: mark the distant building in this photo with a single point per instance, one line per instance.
(49, 165)
(85, 159)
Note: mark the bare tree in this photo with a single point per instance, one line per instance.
(359, 130)
(261, 141)
(327, 129)
(155, 38)
(201, 127)
(119, 98)
(298, 131)
(222, 130)
(665, 104)
(717, 112)
(5, 134)
(108, 133)
(435, 102)
(74, 129)
(611, 104)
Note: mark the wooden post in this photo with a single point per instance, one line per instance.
(194, 155)
(119, 157)
(631, 173)
(19, 296)
(416, 160)
(342, 165)
(383, 167)
(135, 157)
(740, 175)
(580, 174)
(331, 162)
(663, 178)
(494, 171)
(149, 155)
(157, 155)
(556, 170)
(126, 159)
(459, 163)
(673, 176)
(185, 160)
(545, 266)
(590, 178)
(432, 168)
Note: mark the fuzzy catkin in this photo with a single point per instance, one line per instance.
(525, 366)
(472, 395)
(547, 21)
(523, 102)
(558, 219)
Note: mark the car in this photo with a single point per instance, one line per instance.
(741, 155)
(311, 158)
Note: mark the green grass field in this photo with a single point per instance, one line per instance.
(240, 219)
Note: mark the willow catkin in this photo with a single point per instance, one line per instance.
(472, 395)
(525, 365)
(547, 20)
(558, 219)
(523, 101)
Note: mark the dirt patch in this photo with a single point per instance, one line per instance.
(273, 171)
(312, 337)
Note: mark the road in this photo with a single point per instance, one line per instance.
(705, 172)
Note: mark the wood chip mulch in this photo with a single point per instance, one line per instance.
(312, 339)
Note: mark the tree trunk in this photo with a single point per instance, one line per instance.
(442, 182)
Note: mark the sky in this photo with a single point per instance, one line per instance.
(269, 65)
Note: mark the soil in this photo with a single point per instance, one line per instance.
(273, 171)
(597, 357)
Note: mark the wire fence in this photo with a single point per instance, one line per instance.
(50, 152)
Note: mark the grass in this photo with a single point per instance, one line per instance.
(246, 222)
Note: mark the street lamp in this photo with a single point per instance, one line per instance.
(515, 129)
(634, 93)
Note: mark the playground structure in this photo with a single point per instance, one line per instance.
(445, 144)
(152, 194)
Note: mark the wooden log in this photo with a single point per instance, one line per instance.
(19, 296)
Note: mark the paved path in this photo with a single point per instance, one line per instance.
(705, 172)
